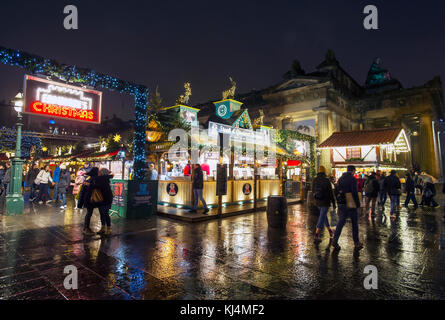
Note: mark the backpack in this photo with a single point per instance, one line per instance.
(369, 188)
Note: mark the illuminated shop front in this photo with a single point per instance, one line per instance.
(175, 185)
(369, 150)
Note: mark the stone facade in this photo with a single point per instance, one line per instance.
(333, 101)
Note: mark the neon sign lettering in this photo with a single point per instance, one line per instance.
(49, 98)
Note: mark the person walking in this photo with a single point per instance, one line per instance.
(63, 184)
(102, 183)
(43, 180)
(382, 192)
(372, 189)
(324, 196)
(429, 190)
(198, 185)
(77, 186)
(392, 185)
(30, 180)
(56, 175)
(410, 190)
(7, 177)
(154, 173)
(348, 202)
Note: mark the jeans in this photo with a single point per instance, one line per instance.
(382, 198)
(198, 195)
(88, 217)
(345, 213)
(62, 196)
(394, 202)
(34, 187)
(56, 192)
(43, 192)
(6, 185)
(104, 215)
(323, 218)
(410, 196)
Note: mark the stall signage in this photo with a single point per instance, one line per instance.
(59, 100)
(118, 194)
(247, 189)
(238, 134)
(141, 194)
(221, 179)
(172, 189)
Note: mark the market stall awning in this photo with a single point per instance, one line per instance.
(372, 137)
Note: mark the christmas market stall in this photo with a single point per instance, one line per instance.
(383, 149)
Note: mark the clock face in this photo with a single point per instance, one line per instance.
(222, 110)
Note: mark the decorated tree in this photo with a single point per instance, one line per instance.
(29, 143)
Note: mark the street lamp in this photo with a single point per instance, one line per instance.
(14, 200)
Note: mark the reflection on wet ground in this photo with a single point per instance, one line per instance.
(234, 258)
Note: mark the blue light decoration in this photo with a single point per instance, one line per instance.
(29, 139)
(87, 77)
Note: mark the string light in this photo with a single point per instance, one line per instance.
(88, 77)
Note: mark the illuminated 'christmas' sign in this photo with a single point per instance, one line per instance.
(59, 100)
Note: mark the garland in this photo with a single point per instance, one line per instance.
(87, 77)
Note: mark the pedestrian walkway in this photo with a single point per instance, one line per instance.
(234, 258)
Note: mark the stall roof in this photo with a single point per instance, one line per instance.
(361, 138)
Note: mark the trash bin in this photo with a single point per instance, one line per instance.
(276, 211)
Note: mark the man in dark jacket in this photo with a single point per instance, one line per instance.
(30, 178)
(410, 187)
(347, 184)
(371, 192)
(392, 186)
(324, 196)
(7, 177)
(198, 185)
(63, 184)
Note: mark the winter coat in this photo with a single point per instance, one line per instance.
(102, 183)
(31, 176)
(64, 181)
(409, 184)
(7, 176)
(81, 203)
(392, 185)
(2, 174)
(375, 187)
(321, 185)
(198, 179)
(44, 177)
(78, 182)
(347, 184)
(56, 174)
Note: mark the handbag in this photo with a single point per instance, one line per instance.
(350, 202)
(96, 196)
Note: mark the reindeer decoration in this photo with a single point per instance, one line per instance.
(185, 98)
(230, 93)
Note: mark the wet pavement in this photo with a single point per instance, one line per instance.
(234, 258)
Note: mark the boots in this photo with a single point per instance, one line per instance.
(108, 230)
(102, 230)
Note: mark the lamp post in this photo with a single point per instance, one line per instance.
(14, 200)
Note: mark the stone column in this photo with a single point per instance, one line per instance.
(323, 131)
(427, 159)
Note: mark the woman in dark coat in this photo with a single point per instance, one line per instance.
(96, 193)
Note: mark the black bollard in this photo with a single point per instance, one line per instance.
(276, 211)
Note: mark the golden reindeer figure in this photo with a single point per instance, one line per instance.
(184, 98)
(230, 93)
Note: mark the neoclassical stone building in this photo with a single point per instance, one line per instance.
(330, 100)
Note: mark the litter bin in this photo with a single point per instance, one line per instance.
(276, 211)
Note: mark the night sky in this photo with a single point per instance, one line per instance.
(166, 43)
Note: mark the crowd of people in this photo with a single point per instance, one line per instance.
(351, 188)
(90, 188)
